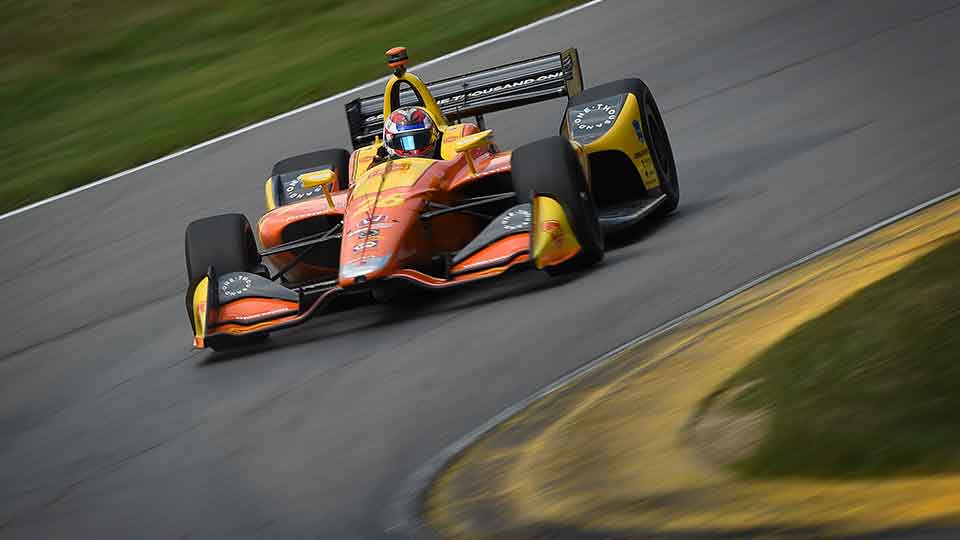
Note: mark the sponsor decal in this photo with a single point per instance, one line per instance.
(516, 219)
(552, 229)
(589, 122)
(372, 224)
(374, 229)
(369, 244)
(595, 116)
(293, 190)
(315, 213)
(639, 131)
(395, 166)
(501, 87)
(379, 218)
(363, 266)
(236, 285)
(385, 201)
(484, 91)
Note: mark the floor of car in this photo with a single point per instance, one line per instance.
(617, 216)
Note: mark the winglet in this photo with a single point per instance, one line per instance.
(552, 240)
(200, 311)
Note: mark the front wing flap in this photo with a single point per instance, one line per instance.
(242, 303)
(552, 240)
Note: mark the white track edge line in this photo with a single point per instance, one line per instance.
(298, 110)
(403, 515)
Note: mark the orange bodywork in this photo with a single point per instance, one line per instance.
(382, 230)
(500, 253)
(252, 314)
(381, 223)
(272, 225)
(381, 213)
(389, 224)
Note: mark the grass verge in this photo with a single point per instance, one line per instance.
(869, 388)
(91, 88)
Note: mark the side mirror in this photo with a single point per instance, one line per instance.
(470, 142)
(319, 179)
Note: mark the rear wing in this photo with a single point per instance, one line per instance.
(478, 93)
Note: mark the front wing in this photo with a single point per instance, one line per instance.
(241, 304)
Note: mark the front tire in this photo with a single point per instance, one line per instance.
(226, 243)
(550, 167)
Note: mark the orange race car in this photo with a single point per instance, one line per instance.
(427, 200)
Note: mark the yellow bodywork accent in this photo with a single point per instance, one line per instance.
(451, 135)
(552, 240)
(200, 311)
(623, 137)
(314, 179)
(323, 178)
(390, 175)
(363, 157)
(428, 102)
(470, 142)
(270, 194)
(473, 141)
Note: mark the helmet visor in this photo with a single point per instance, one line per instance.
(408, 142)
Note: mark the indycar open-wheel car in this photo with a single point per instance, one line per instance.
(370, 221)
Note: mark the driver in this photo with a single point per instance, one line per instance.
(411, 132)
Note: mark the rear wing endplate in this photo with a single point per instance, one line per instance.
(475, 94)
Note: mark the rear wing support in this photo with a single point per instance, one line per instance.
(475, 94)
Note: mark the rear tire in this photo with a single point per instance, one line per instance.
(550, 167)
(654, 133)
(663, 160)
(336, 157)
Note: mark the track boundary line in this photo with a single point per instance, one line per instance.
(404, 513)
(293, 112)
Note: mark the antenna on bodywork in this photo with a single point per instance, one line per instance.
(461, 102)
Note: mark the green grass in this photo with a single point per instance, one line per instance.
(869, 389)
(91, 88)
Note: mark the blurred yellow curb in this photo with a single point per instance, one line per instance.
(610, 451)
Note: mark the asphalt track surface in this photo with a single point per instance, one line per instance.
(794, 124)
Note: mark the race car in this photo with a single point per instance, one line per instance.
(427, 200)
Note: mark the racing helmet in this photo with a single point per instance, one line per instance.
(410, 132)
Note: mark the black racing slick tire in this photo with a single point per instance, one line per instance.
(224, 242)
(550, 167)
(654, 133)
(339, 158)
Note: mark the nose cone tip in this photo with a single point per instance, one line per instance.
(363, 270)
